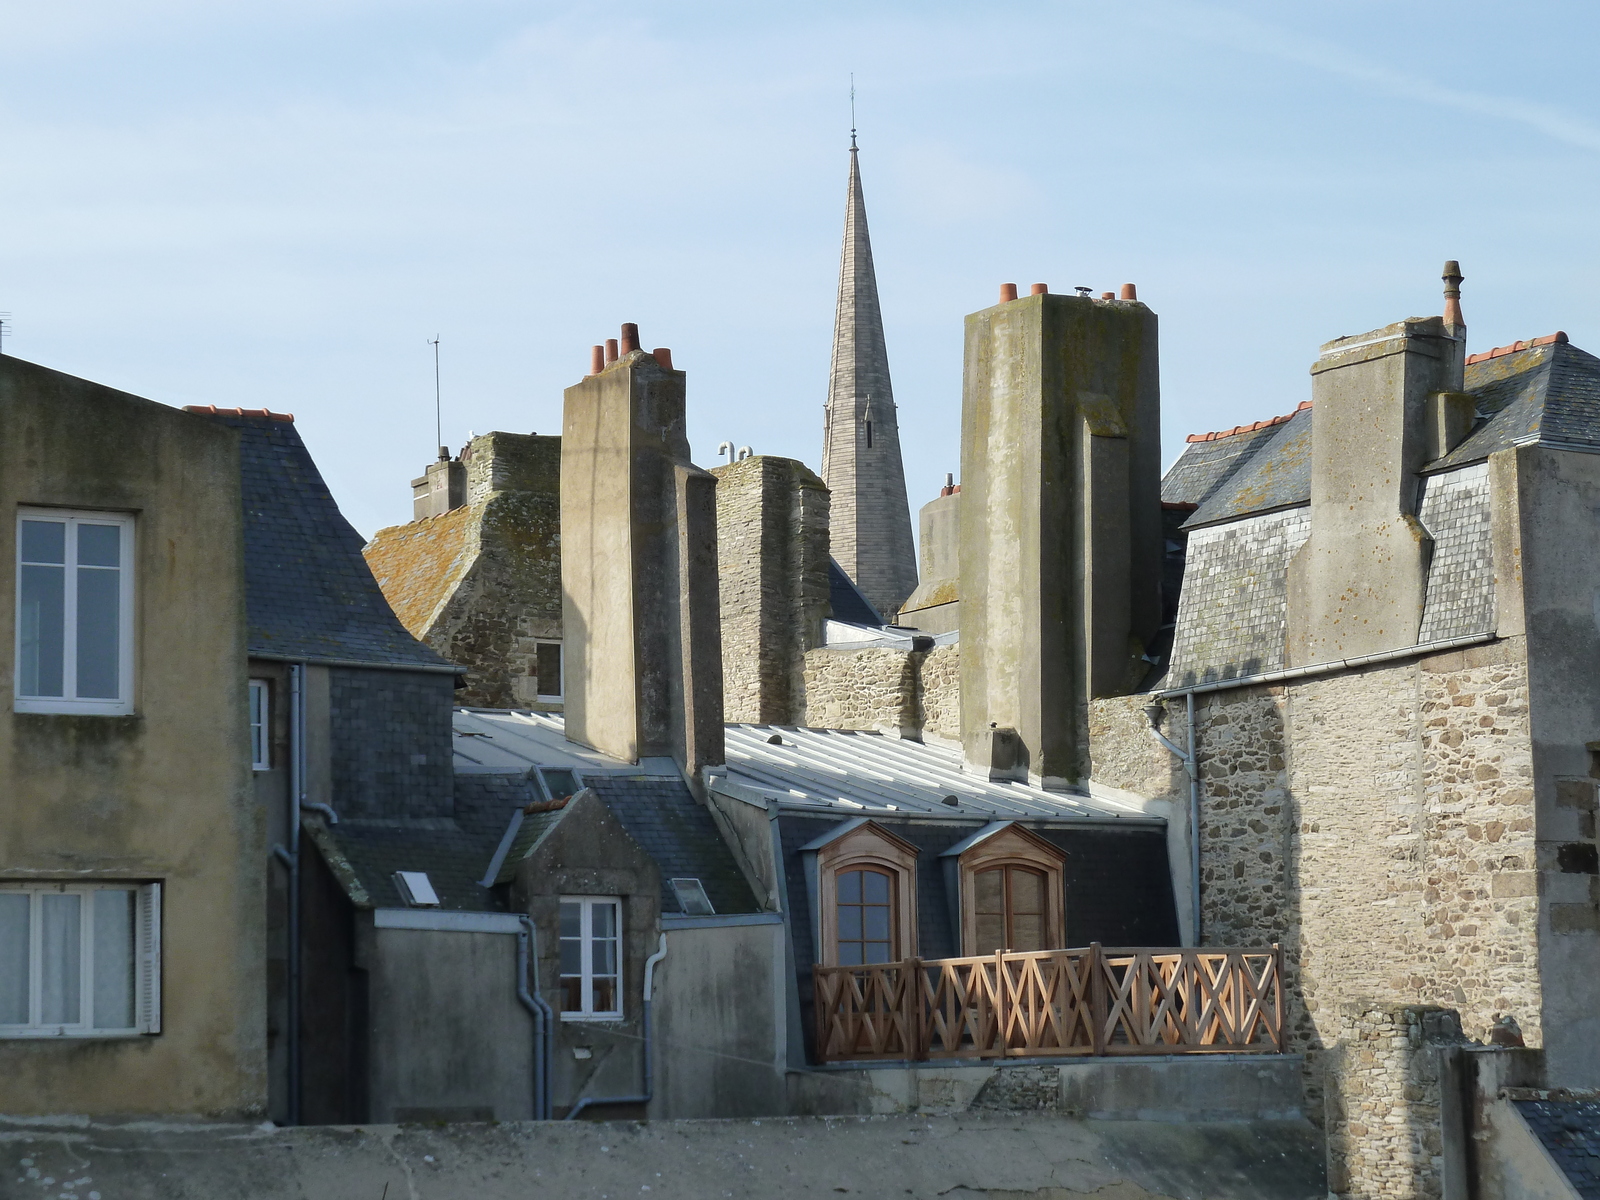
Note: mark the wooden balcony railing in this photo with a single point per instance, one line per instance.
(1088, 1001)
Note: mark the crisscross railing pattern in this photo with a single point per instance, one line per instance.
(1054, 1002)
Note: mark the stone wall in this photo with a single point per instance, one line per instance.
(772, 576)
(1383, 1120)
(909, 693)
(1378, 824)
(482, 584)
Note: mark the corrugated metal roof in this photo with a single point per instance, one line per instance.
(498, 741)
(855, 773)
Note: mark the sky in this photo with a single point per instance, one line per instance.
(280, 205)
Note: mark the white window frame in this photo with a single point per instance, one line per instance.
(586, 935)
(146, 961)
(260, 725)
(69, 703)
(542, 696)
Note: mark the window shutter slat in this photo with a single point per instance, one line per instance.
(149, 958)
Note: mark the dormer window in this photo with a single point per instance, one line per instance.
(1011, 889)
(865, 895)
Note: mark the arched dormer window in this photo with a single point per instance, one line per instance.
(1012, 895)
(864, 884)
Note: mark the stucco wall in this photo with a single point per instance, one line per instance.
(449, 1038)
(162, 795)
(719, 1023)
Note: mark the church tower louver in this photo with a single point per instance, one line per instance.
(870, 527)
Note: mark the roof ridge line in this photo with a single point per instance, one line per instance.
(1558, 338)
(211, 410)
(1303, 406)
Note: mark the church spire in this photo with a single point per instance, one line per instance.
(870, 526)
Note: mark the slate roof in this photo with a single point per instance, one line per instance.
(1210, 461)
(676, 831)
(1569, 1130)
(308, 591)
(1545, 394)
(455, 851)
(848, 602)
(1277, 475)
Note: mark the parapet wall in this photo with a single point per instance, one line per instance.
(910, 693)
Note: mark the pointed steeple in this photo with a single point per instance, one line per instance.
(870, 525)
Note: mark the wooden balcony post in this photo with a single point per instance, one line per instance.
(1277, 995)
(1097, 1000)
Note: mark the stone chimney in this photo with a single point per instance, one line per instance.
(1383, 404)
(935, 607)
(1060, 547)
(442, 487)
(772, 551)
(638, 569)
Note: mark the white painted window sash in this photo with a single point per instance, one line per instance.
(586, 941)
(260, 726)
(68, 702)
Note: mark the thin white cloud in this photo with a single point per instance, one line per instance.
(1217, 25)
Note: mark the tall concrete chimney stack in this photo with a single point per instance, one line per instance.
(1383, 403)
(1060, 544)
(638, 569)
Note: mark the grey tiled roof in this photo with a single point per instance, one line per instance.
(1546, 394)
(454, 851)
(1278, 475)
(676, 830)
(1203, 467)
(847, 601)
(1570, 1132)
(309, 593)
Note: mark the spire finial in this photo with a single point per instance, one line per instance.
(852, 110)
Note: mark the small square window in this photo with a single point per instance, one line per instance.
(260, 725)
(692, 898)
(547, 666)
(591, 958)
(560, 783)
(74, 627)
(416, 889)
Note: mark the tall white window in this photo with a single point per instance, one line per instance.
(591, 958)
(74, 650)
(80, 960)
(260, 726)
(547, 665)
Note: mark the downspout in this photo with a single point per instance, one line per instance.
(291, 858)
(1155, 711)
(649, 1067)
(543, 1017)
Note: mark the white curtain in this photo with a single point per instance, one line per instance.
(60, 959)
(14, 958)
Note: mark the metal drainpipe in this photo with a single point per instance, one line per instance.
(543, 1017)
(297, 796)
(649, 1068)
(1191, 768)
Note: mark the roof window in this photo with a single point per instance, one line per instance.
(415, 889)
(692, 898)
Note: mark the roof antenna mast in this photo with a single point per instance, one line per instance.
(438, 413)
(852, 110)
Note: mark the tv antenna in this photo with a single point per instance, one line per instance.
(438, 412)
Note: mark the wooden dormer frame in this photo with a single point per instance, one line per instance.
(866, 844)
(1013, 845)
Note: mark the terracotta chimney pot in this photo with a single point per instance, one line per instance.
(611, 350)
(597, 360)
(630, 337)
(1008, 292)
(1129, 292)
(663, 356)
(1108, 295)
(1039, 289)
